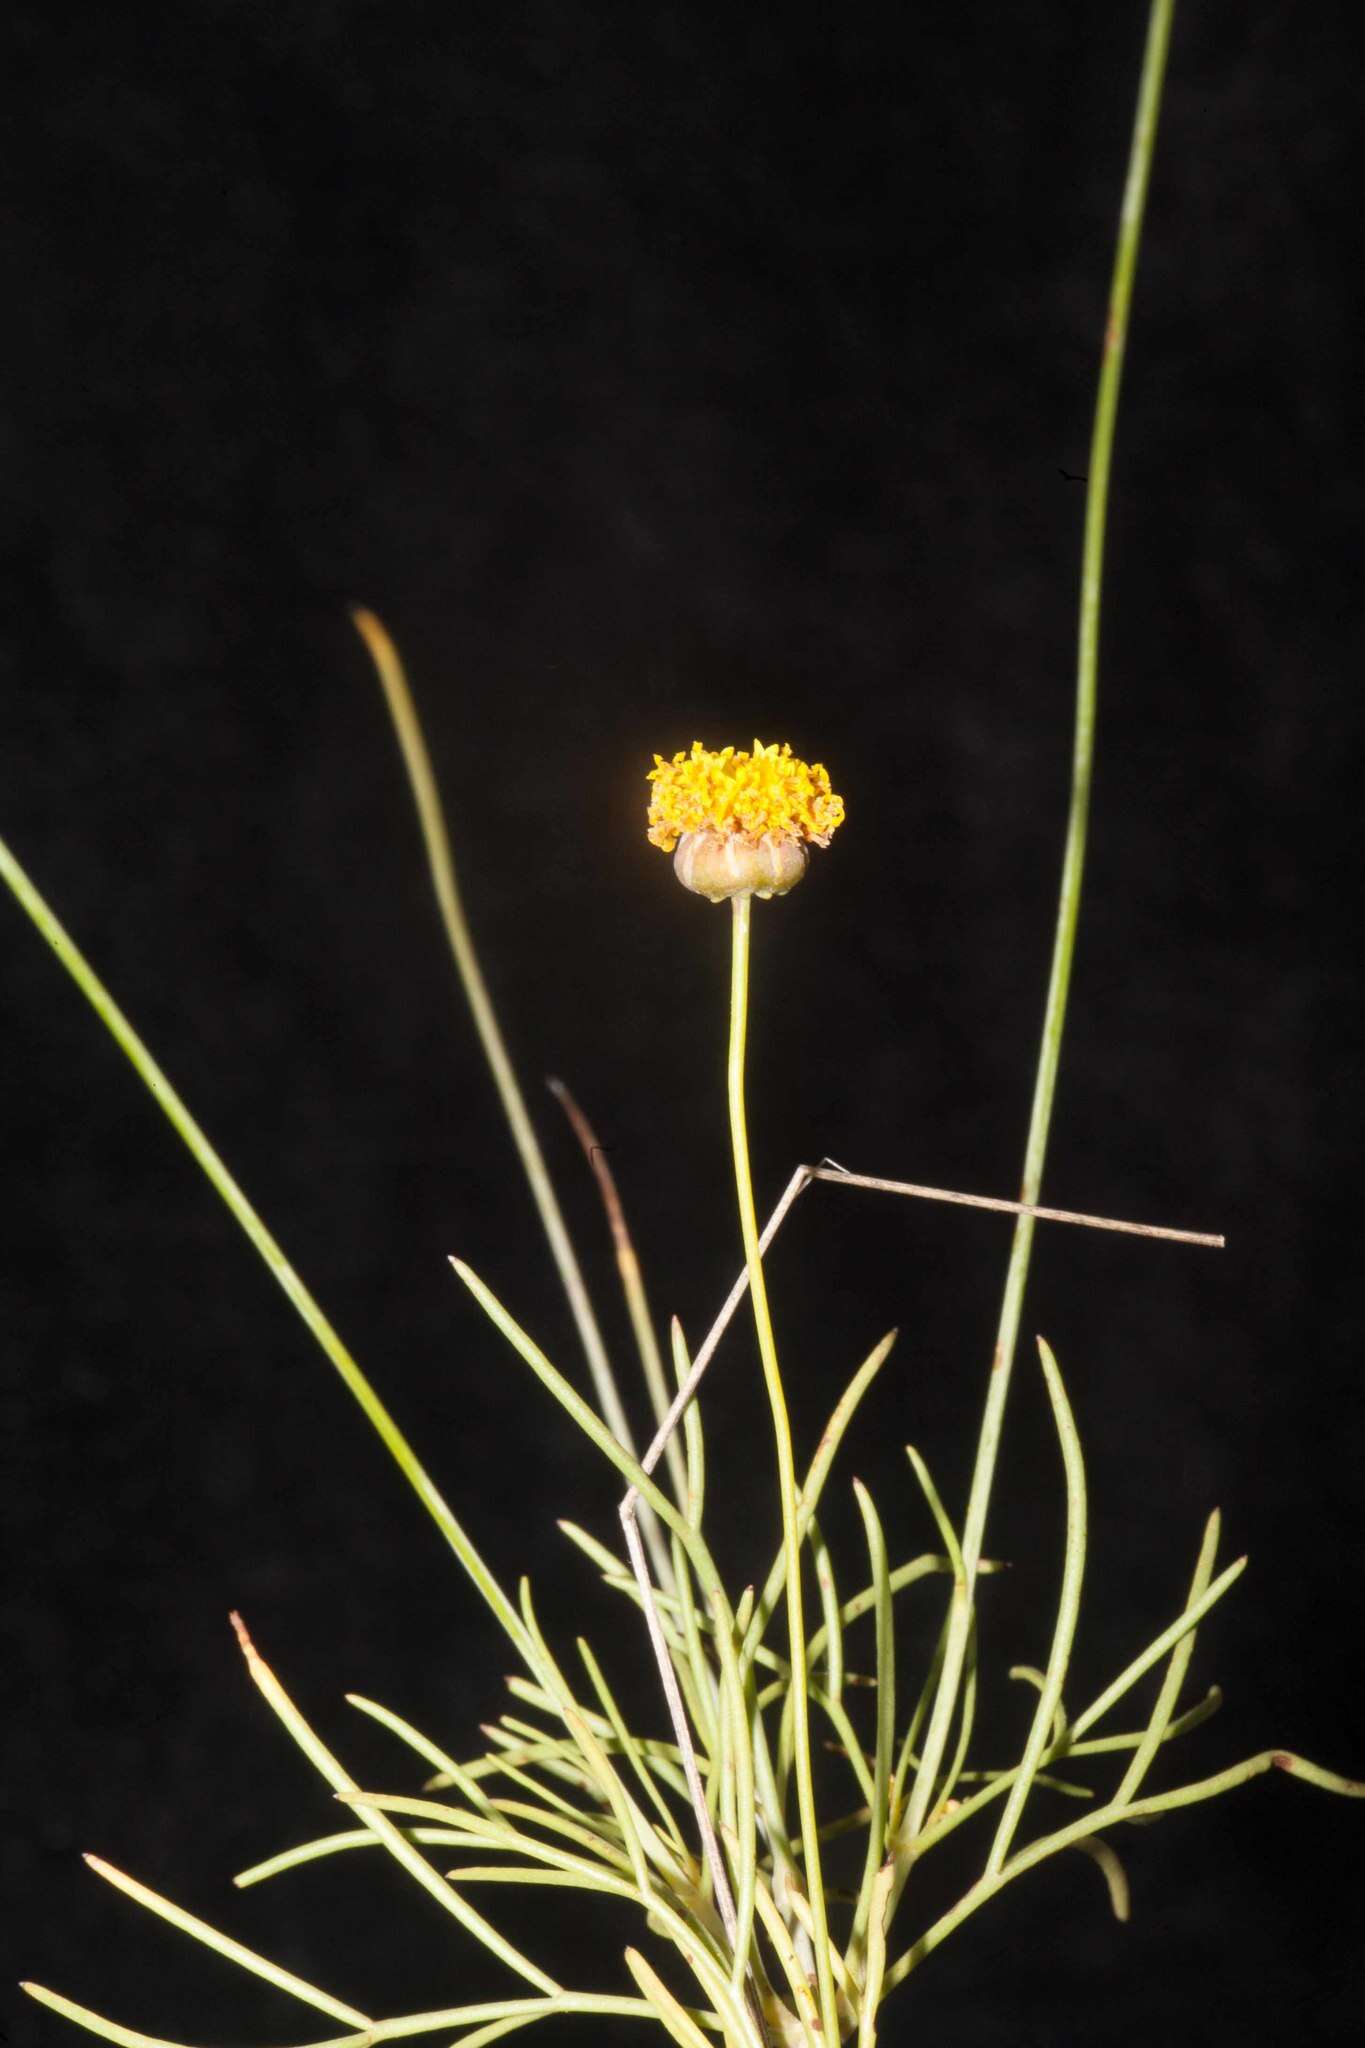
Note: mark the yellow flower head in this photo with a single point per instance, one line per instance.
(766, 792)
(740, 822)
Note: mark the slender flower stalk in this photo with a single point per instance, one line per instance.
(740, 824)
(786, 1465)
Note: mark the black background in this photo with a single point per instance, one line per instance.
(658, 375)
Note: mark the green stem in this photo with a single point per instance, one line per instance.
(1068, 908)
(786, 1470)
(213, 1169)
(436, 839)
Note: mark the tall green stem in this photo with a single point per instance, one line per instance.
(786, 1469)
(1068, 908)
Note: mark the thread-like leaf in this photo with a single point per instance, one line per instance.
(399, 1847)
(880, 1802)
(1068, 1609)
(224, 1945)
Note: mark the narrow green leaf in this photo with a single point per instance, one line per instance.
(876, 1955)
(809, 1496)
(1157, 1648)
(346, 1838)
(1169, 1694)
(831, 1629)
(886, 1720)
(672, 2017)
(1104, 1855)
(611, 1566)
(1106, 1816)
(966, 1721)
(779, 1934)
(628, 1818)
(947, 1533)
(1068, 1609)
(692, 1427)
(213, 1169)
(629, 1747)
(422, 1744)
(999, 1782)
(1031, 1675)
(574, 1405)
(110, 2030)
(938, 1699)
(403, 1851)
(224, 1945)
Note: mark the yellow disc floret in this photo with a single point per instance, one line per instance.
(765, 794)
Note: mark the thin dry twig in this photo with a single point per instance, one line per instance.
(830, 1169)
